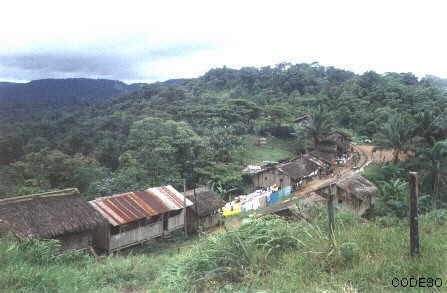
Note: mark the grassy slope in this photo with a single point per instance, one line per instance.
(380, 253)
(275, 149)
(131, 271)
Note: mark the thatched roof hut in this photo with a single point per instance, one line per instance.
(206, 209)
(327, 157)
(352, 191)
(48, 215)
(205, 201)
(358, 186)
(299, 168)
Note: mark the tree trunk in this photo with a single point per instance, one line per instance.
(396, 156)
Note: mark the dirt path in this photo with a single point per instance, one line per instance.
(379, 156)
(366, 156)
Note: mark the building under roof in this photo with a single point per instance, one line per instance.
(137, 216)
(63, 214)
(205, 211)
(353, 192)
(298, 169)
(284, 174)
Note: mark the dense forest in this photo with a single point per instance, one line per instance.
(190, 130)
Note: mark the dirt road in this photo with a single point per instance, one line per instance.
(366, 156)
(379, 156)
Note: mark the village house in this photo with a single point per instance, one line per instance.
(205, 211)
(329, 151)
(64, 215)
(342, 141)
(352, 192)
(138, 216)
(289, 173)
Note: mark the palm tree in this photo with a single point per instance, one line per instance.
(319, 126)
(397, 134)
(429, 127)
(434, 162)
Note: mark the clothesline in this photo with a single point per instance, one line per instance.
(260, 198)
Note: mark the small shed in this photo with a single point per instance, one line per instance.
(137, 216)
(329, 158)
(299, 170)
(205, 211)
(353, 192)
(342, 141)
(284, 174)
(64, 215)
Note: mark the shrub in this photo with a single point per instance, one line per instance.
(226, 257)
(438, 217)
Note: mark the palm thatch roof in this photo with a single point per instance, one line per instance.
(298, 169)
(325, 156)
(47, 215)
(357, 185)
(205, 201)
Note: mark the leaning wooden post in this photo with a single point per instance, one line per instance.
(414, 231)
(330, 213)
(184, 206)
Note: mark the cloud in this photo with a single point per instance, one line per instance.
(149, 41)
(99, 61)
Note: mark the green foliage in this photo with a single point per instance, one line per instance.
(319, 126)
(397, 134)
(263, 255)
(38, 266)
(173, 131)
(438, 217)
(393, 198)
(275, 149)
(223, 258)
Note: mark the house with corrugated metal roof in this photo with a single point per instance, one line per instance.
(137, 216)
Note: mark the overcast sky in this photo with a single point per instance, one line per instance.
(147, 41)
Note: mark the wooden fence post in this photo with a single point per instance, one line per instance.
(184, 206)
(414, 231)
(330, 213)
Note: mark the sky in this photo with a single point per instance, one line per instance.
(148, 41)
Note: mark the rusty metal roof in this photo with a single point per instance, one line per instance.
(127, 207)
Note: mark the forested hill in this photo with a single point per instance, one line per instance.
(191, 129)
(59, 91)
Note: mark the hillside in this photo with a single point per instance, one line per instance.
(203, 131)
(56, 94)
(366, 258)
(61, 136)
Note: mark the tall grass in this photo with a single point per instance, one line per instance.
(33, 266)
(228, 257)
(263, 255)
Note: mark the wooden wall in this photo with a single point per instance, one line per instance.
(134, 236)
(270, 177)
(176, 222)
(108, 241)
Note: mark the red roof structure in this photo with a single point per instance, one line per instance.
(127, 207)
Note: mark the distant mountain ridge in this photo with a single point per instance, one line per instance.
(63, 90)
